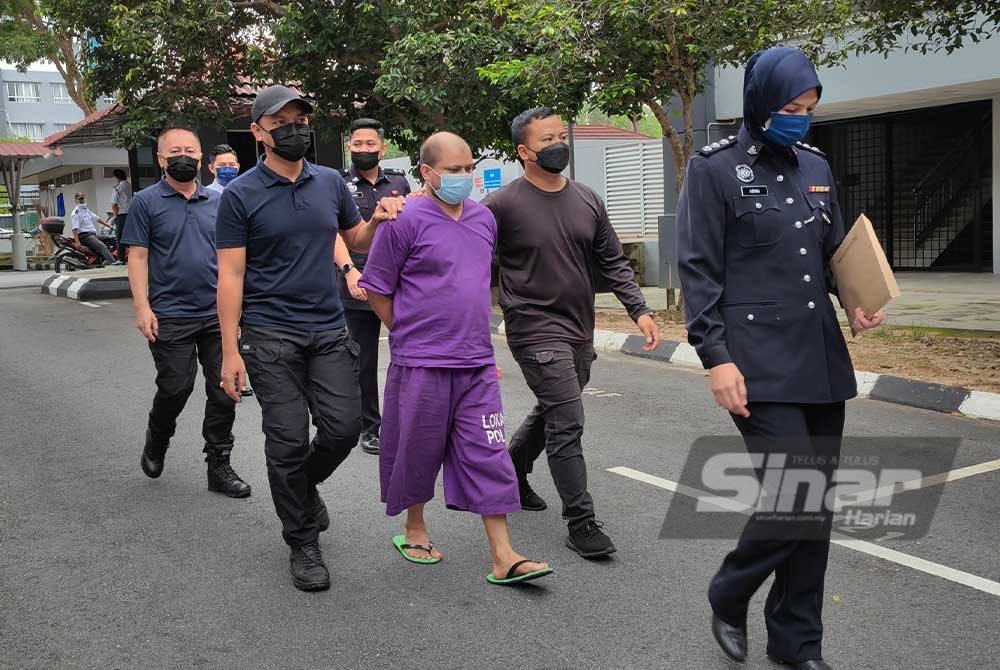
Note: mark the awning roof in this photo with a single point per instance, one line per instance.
(25, 150)
(99, 127)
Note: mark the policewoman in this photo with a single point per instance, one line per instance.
(758, 222)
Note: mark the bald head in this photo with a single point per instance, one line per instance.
(444, 148)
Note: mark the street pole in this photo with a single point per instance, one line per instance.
(572, 151)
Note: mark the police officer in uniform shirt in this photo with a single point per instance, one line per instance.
(368, 183)
(757, 224)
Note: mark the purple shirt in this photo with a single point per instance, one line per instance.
(437, 272)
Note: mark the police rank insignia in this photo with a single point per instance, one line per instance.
(351, 186)
(744, 173)
(819, 189)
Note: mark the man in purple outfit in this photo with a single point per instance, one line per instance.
(428, 279)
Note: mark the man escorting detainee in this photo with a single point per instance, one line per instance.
(277, 279)
(172, 275)
(551, 231)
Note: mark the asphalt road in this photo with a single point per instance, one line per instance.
(101, 567)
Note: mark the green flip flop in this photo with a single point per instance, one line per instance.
(400, 542)
(513, 578)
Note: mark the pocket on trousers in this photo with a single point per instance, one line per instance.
(260, 359)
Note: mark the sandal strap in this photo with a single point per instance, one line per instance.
(418, 546)
(513, 569)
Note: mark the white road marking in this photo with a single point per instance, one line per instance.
(56, 283)
(932, 480)
(878, 551)
(89, 304)
(73, 290)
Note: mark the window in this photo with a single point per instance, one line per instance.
(22, 91)
(60, 94)
(33, 131)
(62, 126)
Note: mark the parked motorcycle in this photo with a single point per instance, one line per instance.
(70, 255)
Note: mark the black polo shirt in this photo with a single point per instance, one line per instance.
(180, 236)
(288, 230)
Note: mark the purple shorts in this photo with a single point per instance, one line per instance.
(451, 417)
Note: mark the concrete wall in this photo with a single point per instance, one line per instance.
(872, 84)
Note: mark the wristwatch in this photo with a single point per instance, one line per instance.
(345, 268)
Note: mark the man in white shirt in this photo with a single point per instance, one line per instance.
(223, 165)
(84, 223)
(121, 198)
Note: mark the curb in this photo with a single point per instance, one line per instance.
(887, 388)
(86, 288)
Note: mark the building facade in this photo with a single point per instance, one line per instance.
(35, 104)
(913, 142)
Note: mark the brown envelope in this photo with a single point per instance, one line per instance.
(864, 278)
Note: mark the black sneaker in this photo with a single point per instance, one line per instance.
(369, 443)
(530, 500)
(223, 479)
(308, 570)
(590, 541)
(316, 510)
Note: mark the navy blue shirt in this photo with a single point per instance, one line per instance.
(389, 183)
(180, 236)
(756, 228)
(288, 230)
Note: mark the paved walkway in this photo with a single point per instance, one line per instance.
(934, 299)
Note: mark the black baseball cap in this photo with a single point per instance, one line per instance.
(273, 98)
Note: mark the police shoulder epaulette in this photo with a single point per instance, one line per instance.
(714, 147)
(808, 147)
(395, 171)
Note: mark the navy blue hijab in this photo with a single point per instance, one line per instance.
(773, 78)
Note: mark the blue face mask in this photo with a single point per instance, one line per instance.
(455, 188)
(787, 129)
(224, 175)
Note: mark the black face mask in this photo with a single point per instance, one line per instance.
(291, 141)
(182, 168)
(553, 158)
(365, 160)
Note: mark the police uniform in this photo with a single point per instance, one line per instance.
(363, 323)
(757, 225)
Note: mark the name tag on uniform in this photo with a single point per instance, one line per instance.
(819, 189)
(749, 191)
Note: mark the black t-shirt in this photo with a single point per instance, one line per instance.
(288, 230)
(547, 246)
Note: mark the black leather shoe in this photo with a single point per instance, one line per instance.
(316, 510)
(815, 664)
(732, 640)
(153, 454)
(530, 500)
(308, 570)
(223, 479)
(369, 443)
(590, 541)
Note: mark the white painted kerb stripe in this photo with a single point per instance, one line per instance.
(56, 284)
(73, 292)
(872, 549)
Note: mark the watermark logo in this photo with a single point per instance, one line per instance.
(791, 488)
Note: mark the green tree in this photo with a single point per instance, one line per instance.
(925, 25)
(181, 62)
(415, 65)
(53, 30)
(655, 54)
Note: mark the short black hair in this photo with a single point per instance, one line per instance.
(119, 174)
(368, 124)
(169, 129)
(522, 120)
(218, 150)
